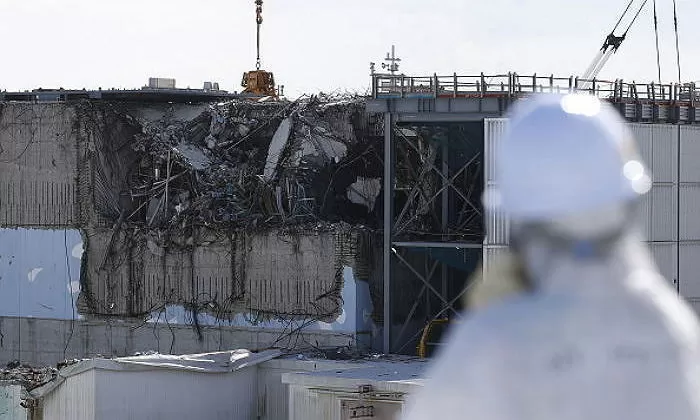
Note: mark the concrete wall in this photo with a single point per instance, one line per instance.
(40, 282)
(41, 342)
(63, 168)
(66, 166)
(132, 273)
(38, 165)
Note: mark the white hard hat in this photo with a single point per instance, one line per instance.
(563, 155)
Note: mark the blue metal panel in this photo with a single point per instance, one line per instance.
(39, 272)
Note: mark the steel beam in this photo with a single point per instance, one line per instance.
(436, 316)
(388, 225)
(450, 182)
(426, 282)
(457, 245)
(445, 204)
(415, 304)
(437, 194)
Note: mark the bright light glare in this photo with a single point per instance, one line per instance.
(633, 170)
(580, 104)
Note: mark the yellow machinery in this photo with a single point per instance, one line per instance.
(432, 333)
(259, 82)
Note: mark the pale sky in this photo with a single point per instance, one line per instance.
(325, 45)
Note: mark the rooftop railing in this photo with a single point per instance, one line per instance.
(515, 85)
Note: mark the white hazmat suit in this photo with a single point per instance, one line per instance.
(595, 332)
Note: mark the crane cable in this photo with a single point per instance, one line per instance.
(612, 43)
(258, 20)
(635, 17)
(622, 15)
(656, 34)
(678, 52)
(678, 158)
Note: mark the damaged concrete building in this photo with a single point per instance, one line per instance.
(187, 227)
(196, 226)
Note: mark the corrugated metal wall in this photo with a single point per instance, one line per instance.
(75, 399)
(307, 404)
(170, 394)
(154, 394)
(659, 211)
(490, 255)
(273, 394)
(273, 398)
(689, 246)
(310, 403)
(496, 222)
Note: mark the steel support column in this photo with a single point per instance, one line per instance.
(388, 225)
(423, 194)
(445, 206)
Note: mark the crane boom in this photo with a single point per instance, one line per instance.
(612, 43)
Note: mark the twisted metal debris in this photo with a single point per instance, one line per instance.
(248, 164)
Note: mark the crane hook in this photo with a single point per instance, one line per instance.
(258, 20)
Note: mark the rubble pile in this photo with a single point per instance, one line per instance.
(27, 376)
(250, 164)
(181, 204)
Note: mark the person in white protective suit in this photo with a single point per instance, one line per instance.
(578, 324)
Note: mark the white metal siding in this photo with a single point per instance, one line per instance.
(273, 394)
(490, 255)
(664, 213)
(689, 248)
(171, 394)
(690, 212)
(658, 214)
(645, 141)
(496, 222)
(74, 399)
(695, 304)
(658, 148)
(690, 269)
(664, 255)
(643, 217)
(497, 228)
(664, 161)
(154, 394)
(306, 404)
(690, 154)
(494, 129)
